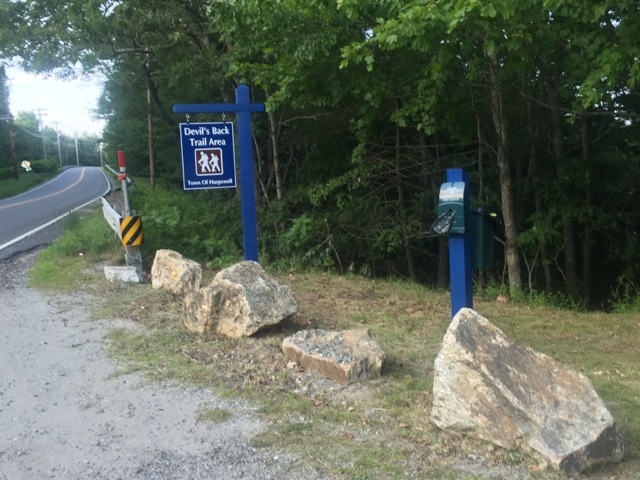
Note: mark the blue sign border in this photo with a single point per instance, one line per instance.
(208, 155)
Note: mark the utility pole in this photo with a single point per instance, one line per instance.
(152, 175)
(100, 146)
(58, 137)
(44, 142)
(77, 157)
(12, 144)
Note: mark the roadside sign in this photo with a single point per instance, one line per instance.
(208, 155)
(26, 165)
(243, 108)
(131, 231)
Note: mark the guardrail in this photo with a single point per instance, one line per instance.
(115, 173)
(112, 217)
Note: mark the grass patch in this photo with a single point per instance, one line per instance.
(65, 274)
(25, 181)
(65, 265)
(379, 429)
(90, 237)
(213, 415)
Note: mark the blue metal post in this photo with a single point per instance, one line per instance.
(460, 252)
(247, 185)
(243, 108)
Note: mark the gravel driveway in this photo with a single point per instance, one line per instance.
(65, 415)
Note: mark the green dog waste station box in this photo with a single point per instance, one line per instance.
(482, 233)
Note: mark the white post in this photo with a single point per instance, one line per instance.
(77, 157)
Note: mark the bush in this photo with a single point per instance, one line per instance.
(204, 225)
(44, 166)
(625, 297)
(6, 173)
(37, 166)
(91, 236)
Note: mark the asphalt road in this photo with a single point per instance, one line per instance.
(34, 218)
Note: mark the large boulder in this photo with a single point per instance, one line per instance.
(250, 300)
(488, 387)
(201, 309)
(173, 272)
(344, 357)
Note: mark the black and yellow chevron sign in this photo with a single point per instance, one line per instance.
(131, 231)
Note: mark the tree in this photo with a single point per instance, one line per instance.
(369, 101)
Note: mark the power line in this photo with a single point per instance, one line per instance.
(18, 91)
(28, 132)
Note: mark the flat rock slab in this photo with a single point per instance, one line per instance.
(123, 274)
(488, 387)
(345, 357)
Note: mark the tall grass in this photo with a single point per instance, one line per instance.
(625, 298)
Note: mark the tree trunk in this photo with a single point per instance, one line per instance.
(273, 135)
(406, 241)
(481, 273)
(567, 221)
(480, 160)
(152, 163)
(506, 191)
(532, 176)
(443, 250)
(588, 226)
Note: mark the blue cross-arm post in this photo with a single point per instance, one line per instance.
(460, 252)
(243, 108)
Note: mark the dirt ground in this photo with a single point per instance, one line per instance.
(65, 413)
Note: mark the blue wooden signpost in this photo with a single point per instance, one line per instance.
(460, 251)
(243, 107)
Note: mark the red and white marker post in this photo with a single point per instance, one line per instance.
(133, 255)
(123, 178)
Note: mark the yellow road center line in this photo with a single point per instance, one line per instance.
(80, 178)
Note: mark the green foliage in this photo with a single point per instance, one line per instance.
(305, 244)
(368, 103)
(6, 173)
(204, 225)
(45, 166)
(495, 289)
(625, 298)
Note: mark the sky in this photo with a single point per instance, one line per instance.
(68, 102)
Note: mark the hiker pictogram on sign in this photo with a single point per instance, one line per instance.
(208, 161)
